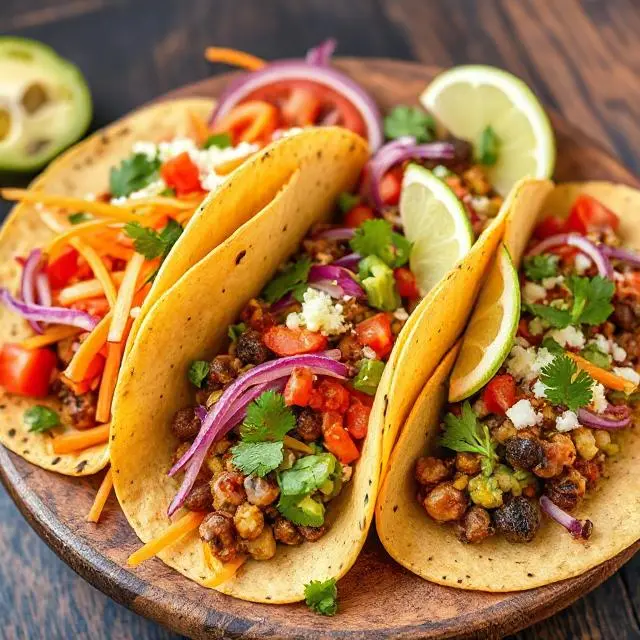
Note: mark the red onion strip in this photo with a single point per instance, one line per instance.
(342, 277)
(577, 528)
(43, 290)
(28, 283)
(624, 255)
(338, 233)
(321, 55)
(350, 261)
(595, 421)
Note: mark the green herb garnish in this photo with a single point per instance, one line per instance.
(347, 201)
(488, 146)
(219, 140)
(596, 356)
(78, 218)
(409, 121)
(544, 265)
(149, 242)
(258, 458)
(39, 418)
(322, 597)
(292, 280)
(377, 238)
(565, 385)
(236, 330)
(133, 174)
(198, 372)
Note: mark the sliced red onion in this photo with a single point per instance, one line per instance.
(201, 412)
(341, 276)
(328, 287)
(43, 290)
(577, 528)
(337, 233)
(283, 303)
(350, 261)
(239, 89)
(624, 255)
(331, 119)
(582, 244)
(597, 421)
(52, 315)
(28, 282)
(320, 56)
(399, 150)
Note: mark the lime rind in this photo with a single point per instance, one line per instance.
(496, 353)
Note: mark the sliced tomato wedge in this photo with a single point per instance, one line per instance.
(182, 174)
(359, 214)
(26, 372)
(391, 186)
(302, 107)
(406, 283)
(375, 332)
(589, 214)
(291, 342)
(299, 386)
(357, 420)
(63, 269)
(551, 226)
(336, 438)
(500, 394)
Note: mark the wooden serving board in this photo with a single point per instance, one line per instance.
(378, 599)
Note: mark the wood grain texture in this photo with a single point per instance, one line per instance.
(581, 58)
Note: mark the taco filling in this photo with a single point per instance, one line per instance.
(537, 439)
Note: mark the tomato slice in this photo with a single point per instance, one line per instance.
(335, 396)
(302, 107)
(299, 386)
(61, 270)
(589, 214)
(375, 332)
(290, 342)
(26, 372)
(182, 174)
(551, 226)
(354, 218)
(406, 283)
(336, 438)
(500, 394)
(391, 185)
(357, 419)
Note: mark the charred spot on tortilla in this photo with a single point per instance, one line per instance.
(11, 433)
(26, 452)
(55, 461)
(395, 508)
(285, 228)
(81, 465)
(240, 256)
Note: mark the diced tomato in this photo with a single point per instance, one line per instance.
(316, 400)
(95, 367)
(406, 282)
(358, 420)
(301, 108)
(500, 394)
(630, 285)
(588, 214)
(93, 306)
(551, 226)
(291, 342)
(391, 185)
(182, 174)
(336, 438)
(375, 332)
(335, 396)
(61, 270)
(362, 398)
(358, 215)
(566, 253)
(299, 387)
(26, 372)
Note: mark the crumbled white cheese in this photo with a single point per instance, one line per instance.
(582, 263)
(539, 389)
(567, 422)
(627, 373)
(369, 353)
(149, 149)
(480, 204)
(618, 353)
(401, 314)
(552, 282)
(522, 415)
(536, 327)
(527, 363)
(532, 293)
(440, 171)
(568, 337)
(318, 314)
(601, 342)
(135, 312)
(599, 402)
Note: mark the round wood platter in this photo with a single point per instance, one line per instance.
(378, 599)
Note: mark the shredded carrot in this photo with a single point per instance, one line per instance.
(73, 205)
(199, 127)
(227, 167)
(225, 573)
(234, 57)
(77, 369)
(254, 119)
(608, 379)
(296, 445)
(122, 307)
(50, 336)
(101, 497)
(98, 267)
(86, 289)
(81, 440)
(179, 528)
(77, 231)
(109, 379)
(110, 247)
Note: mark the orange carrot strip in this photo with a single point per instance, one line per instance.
(608, 379)
(254, 118)
(80, 440)
(98, 267)
(77, 369)
(50, 336)
(296, 445)
(101, 497)
(234, 57)
(226, 572)
(78, 231)
(86, 289)
(179, 528)
(109, 379)
(199, 127)
(110, 247)
(122, 307)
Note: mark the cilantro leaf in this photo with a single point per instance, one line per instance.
(307, 475)
(198, 372)
(544, 265)
(488, 146)
(77, 218)
(258, 458)
(236, 330)
(149, 242)
(558, 318)
(347, 201)
(552, 346)
(39, 418)
(591, 299)
(289, 280)
(268, 419)
(466, 434)
(377, 238)
(599, 358)
(133, 174)
(219, 140)
(565, 384)
(322, 597)
(302, 510)
(409, 121)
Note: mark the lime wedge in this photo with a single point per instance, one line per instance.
(490, 332)
(466, 100)
(436, 222)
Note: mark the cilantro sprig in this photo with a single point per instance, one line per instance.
(409, 121)
(133, 174)
(377, 238)
(40, 418)
(544, 265)
(198, 372)
(258, 458)
(292, 280)
(466, 434)
(322, 597)
(219, 140)
(151, 243)
(565, 385)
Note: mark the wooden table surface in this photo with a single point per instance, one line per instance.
(581, 57)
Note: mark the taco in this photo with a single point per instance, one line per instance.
(97, 239)
(529, 477)
(254, 464)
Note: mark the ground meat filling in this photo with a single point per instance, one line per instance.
(78, 410)
(250, 348)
